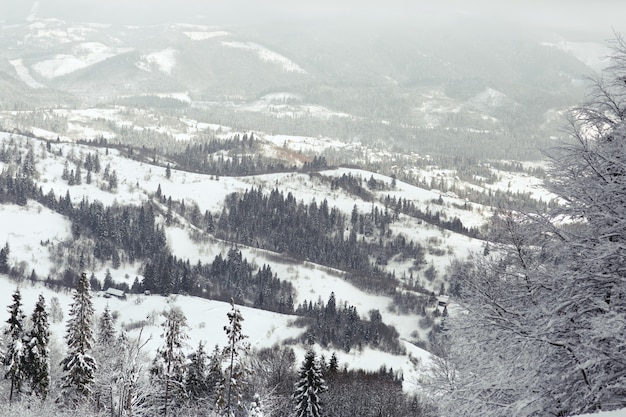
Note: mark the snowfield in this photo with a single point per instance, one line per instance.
(24, 73)
(202, 36)
(164, 61)
(84, 55)
(267, 55)
(31, 231)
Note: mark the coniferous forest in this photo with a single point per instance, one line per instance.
(372, 210)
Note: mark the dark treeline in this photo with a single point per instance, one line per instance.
(353, 184)
(370, 394)
(341, 326)
(281, 224)
(223, 279)
(236, 156)
(242, 158)
(357, 186)
(402, 205)
(130, 233)
(310, 231)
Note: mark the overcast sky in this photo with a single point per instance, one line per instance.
(593, 15)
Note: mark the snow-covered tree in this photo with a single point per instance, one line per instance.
(133, 393)
(107, 354)
(79, 365)
(230, 390)
(308, 388)
(38, 351)
(106, 328)
(168, 369)
(4, 258)
(544, 329)
(14, 355)
(196, 383)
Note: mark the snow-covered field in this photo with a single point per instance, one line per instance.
(204, 35)
(31, 231)
(164, 61)
(24, 73)
(266, 55)
(83, 55)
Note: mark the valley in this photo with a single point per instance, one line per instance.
(333, 185)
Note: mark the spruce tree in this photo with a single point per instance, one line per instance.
(196, 377)
(169, 365)
(14, 356)
(38, 351)
(107, 354)
(106, 327)
(230, 390)
(4, 259)
(79, 366)
(308, 387)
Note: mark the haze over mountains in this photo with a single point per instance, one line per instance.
(328, 166)
(394, 81)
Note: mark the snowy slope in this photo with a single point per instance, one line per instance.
(164, 61)
(24, 73)
(267, 55)
(82, 55)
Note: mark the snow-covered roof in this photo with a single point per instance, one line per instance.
(115, 292)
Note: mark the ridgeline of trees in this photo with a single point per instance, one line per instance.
(309, 231)
(341, 326)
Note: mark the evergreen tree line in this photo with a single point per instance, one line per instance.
(104, 372)
(306, 231)
(369, 394)
(402, 205)
(26, 355)
(237, 156)
(222, 279)
(374, 278)
(356, 185)
(341, 326)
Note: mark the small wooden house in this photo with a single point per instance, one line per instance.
(114, 292)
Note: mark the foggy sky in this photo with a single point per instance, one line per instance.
(591, 16)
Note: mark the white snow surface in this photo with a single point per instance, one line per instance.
(266, 55)
(202, 36)
(83, 55)
(24, 73)
(30, 232)
(164, 61)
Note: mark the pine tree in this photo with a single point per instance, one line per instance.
(169, 365)
(38, 352)
(333, 365)
(106, 328)
(79, 366)
(14, 356)
(197, 371)
(310, 384)
(4, 259)
(107, 354)
(230, 390)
